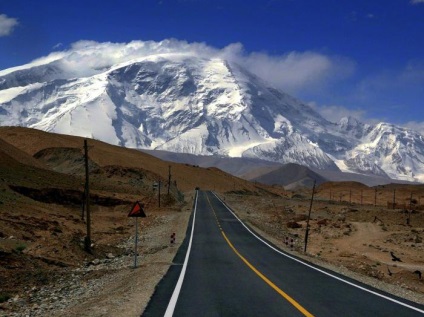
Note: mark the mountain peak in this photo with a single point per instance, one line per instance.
(348, 122)
(182, 101)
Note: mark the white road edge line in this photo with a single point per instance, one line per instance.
(317, 269)
(174, 298)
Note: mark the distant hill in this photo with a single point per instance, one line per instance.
(12, 156)
(58, 153)
(291, 176)
(262, 171)
(247, 168)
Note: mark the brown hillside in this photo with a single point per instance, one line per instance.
(187, 176)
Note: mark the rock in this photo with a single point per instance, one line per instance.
(95, 262)
(293, 225)
(341, 217)
(352, 210)
(110, 256)
(322, 222)
(300, 217)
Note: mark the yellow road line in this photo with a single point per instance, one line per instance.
(275, 287)
(263, 277)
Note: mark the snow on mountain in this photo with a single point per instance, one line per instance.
(397, 151)
(183, 101)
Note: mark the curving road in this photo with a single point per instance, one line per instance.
(224, 269)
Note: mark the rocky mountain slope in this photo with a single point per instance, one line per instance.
(188, 103)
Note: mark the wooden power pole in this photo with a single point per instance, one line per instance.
(375, 197)
(159, 193)
(394, 198)
(87, 240)
(169, 178)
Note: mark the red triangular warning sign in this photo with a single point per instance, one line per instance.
(137, 211)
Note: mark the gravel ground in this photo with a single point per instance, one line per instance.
(110, 286)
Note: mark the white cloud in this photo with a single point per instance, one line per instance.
(299, 71)
(57, 46)
(292, 72)
(417, 1)
(414, 125)
(334, 113)
(7, 25)
(88, 57)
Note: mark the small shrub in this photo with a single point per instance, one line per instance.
(21, 247)
(4, 297)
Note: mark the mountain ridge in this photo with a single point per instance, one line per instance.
(185, 103)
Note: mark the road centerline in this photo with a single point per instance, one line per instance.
(257, 272)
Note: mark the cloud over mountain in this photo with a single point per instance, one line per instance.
(291, 72)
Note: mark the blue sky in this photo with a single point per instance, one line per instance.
(363, 58)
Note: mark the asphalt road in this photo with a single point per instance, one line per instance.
(223, 269)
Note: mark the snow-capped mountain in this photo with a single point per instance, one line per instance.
(188, 103)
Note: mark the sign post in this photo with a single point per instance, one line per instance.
(136, 212)
(136, 242)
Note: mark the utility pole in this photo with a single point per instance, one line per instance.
(394, 198)
(159, 193)
(169, 178)
(87, 240)
(83, 203)
(375, 198)
(309, 217)
(408, 221)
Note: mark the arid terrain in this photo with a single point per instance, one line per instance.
(44, 268)
(347, 234)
